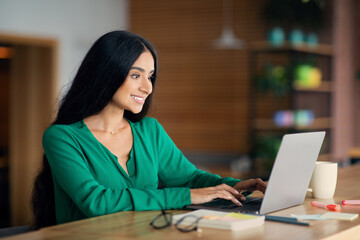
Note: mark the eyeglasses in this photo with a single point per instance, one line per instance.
(163, 220)
(188, 223)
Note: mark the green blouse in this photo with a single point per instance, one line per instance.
(89, 181)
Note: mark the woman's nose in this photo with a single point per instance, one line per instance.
(146, 86)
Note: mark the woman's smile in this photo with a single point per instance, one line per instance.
(139, 99)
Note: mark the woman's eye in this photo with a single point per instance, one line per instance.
(151, 78)
(135, 76)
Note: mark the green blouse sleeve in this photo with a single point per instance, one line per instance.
(70, 170)
(176, 170)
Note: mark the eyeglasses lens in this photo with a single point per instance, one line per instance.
(188, 223)
(161, 221)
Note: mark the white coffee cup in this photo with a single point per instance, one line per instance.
(323, 180)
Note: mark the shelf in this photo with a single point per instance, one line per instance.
(268, 124)
(325, 87)
(318, 100)
(320, 49)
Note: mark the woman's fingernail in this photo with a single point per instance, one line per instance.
(243, 198)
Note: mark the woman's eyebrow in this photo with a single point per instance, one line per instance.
(141, 69)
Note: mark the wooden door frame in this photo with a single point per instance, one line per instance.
(33, 91)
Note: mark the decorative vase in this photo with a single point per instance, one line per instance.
(276, 36)
(296, 37)
(312, 40)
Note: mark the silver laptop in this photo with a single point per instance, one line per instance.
(289, 179)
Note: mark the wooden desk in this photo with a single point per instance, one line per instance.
(135, 225)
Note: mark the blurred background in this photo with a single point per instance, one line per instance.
(234, 76)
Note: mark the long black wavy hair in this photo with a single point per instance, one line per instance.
(101, 73)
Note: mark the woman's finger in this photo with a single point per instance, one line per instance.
(251, 185)
(226, 187)
(260, 185)
(224, 194)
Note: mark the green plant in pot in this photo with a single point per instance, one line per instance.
(273, 79)
(295, 13)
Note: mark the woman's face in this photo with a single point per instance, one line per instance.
(137, 86)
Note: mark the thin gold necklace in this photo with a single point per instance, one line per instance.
(111, 132)
(115, 131)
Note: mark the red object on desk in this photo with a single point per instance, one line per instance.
(334, 207)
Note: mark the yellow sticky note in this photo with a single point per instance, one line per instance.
(239, 216)
(339, 216)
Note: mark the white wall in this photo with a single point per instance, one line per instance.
(76, 24)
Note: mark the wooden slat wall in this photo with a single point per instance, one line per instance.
(202, 92)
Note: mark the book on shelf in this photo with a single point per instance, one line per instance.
(220, 220)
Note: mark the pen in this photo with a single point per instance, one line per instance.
(334, 207)
(351, 202)
(289, 220)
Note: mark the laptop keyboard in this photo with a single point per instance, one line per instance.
(252, 204)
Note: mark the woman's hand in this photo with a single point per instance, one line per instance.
(203, 195)
(224, 191)
(250, 185)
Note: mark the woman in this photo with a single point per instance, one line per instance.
(103, 156)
